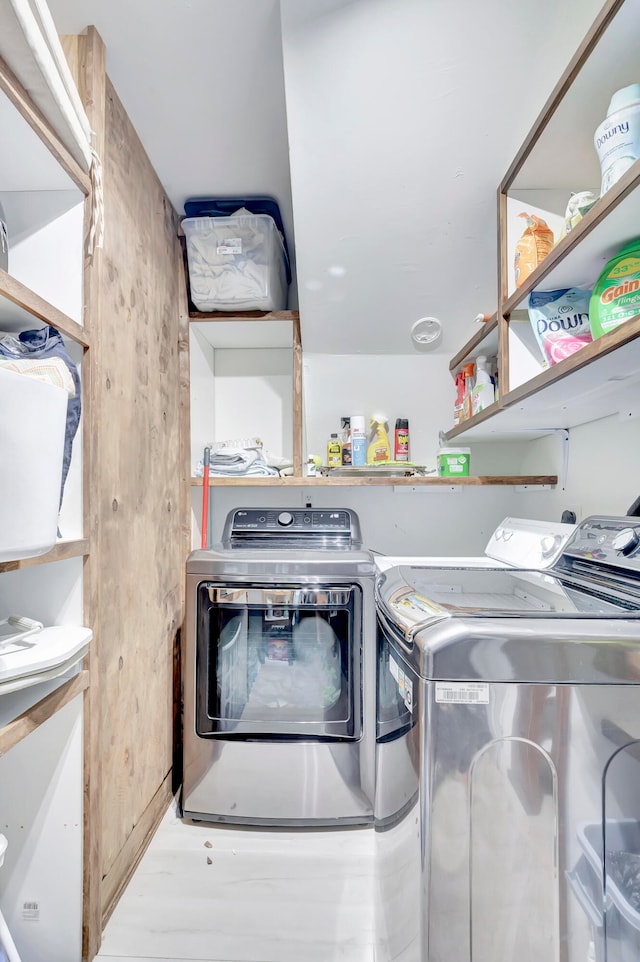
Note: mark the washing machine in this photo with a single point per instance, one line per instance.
(518, 700)
(279, 671)
(516, 542)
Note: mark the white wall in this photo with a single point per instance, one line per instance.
(450, 521)
(403, 117)
(604, 469)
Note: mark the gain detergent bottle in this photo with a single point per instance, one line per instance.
(616, 296)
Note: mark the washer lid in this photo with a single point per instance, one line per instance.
(509, 625)
(414, 596)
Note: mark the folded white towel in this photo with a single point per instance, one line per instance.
(230, 462)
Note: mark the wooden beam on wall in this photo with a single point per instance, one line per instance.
(87, 58)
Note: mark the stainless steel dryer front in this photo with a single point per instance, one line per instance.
(509, 711)
(279, 674)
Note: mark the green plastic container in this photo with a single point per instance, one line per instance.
(454, 462)
(616, 295)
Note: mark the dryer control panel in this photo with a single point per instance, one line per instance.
(273, 526)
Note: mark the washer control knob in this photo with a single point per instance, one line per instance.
(626, 540)
(285, 518)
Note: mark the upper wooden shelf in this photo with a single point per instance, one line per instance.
(411, 482)
(580, 256)
(559, 151)
(245, 315)
(601, 379)
(485, 340)
(62, 551)
(19, 305)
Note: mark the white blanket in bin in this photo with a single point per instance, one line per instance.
(230, 278)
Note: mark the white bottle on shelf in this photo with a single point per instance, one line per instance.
(483, 391)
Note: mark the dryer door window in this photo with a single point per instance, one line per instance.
(279, 661)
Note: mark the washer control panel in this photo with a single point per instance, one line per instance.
(611, 541)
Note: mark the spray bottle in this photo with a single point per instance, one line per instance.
(457, 407)
(468, 371)
(483, 393)
(379, 449)
(401, 440)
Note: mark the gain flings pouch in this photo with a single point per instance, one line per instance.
(616, 295)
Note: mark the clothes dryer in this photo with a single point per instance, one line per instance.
(279, 674)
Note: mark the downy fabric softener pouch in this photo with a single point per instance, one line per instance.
(560, 321)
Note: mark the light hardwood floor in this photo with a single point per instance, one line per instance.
(209, 893)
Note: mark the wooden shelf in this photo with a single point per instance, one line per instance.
(488, 330)
(14, 732)
(245, 316)
(25, 305)
(62, 551)
(603, 378)
(605, 61)
(410, 482)
(600, 380)
(580, 256)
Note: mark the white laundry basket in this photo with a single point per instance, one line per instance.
(32, 427)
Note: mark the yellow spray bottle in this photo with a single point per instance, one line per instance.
(379, 449)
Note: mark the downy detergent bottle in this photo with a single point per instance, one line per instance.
(616, 295)
(617, 139)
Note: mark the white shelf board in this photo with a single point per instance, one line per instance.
(608, 385)
(565, 155)
(249, 334)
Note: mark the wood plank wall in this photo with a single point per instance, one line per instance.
(139, 497)
(132, 307)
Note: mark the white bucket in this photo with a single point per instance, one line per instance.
(32, 426)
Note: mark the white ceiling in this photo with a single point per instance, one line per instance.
(382, 127)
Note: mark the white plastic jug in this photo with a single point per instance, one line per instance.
(617, 139)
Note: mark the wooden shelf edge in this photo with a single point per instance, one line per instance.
(627, 332)
(410, 482)
(471, 422)
(29, 721)
(483, 331)
(245, 316)
(62, 551)
(572, 70)
(23, 297)
(629, 182)
(23, 103)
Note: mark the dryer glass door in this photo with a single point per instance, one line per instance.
(279, 661)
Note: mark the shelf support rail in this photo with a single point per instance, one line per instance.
(563, 434)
